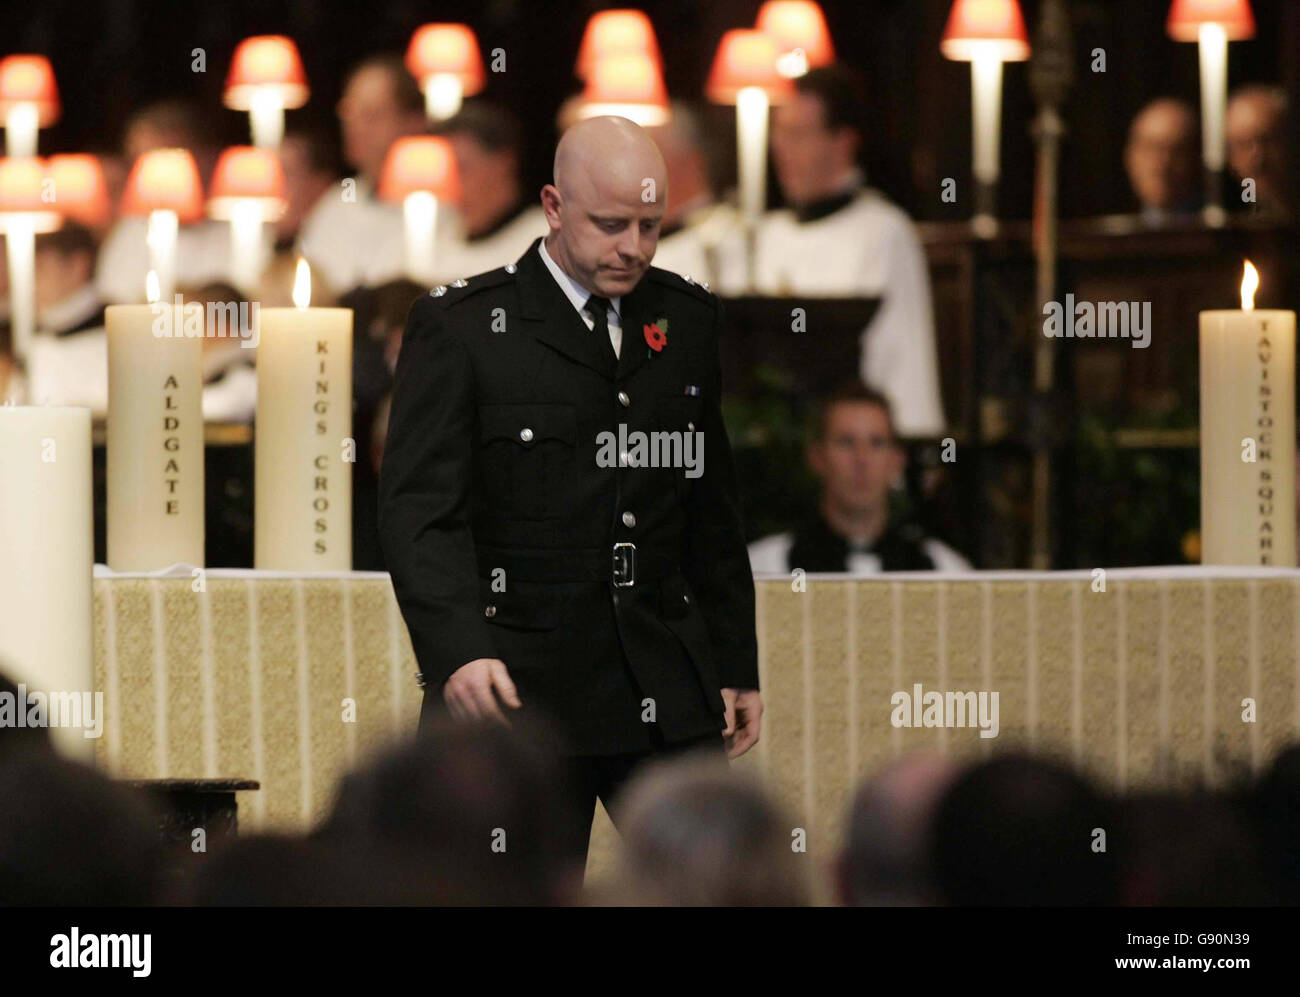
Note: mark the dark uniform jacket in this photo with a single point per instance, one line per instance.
(617, 596)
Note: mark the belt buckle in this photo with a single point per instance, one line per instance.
(624, 564)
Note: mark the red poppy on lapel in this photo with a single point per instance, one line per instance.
(656, 335)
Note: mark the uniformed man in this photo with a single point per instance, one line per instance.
(537, 569)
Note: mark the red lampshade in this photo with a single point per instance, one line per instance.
(745, 58)
(266, 61)
(629, 85)
(985, 25)
(79, 189)
(247, 173)
(164, 180)
(420, 163)
(29, 79)
(450, 49)
(22, 181)
(1187, 16)
(797, 24)
(616, 32)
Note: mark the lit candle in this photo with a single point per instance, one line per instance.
(155, 434)
(1248, 433)
(304, 447)
(47, 558)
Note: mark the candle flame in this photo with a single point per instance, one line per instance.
(302, 284)
(152, 291)
(1249, 284)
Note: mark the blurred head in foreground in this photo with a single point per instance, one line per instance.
(696, 833)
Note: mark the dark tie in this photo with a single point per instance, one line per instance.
(598, 308)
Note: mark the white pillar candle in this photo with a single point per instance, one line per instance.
(155, 436)
(751, 137)
(20, 247)
(986, 110)
(303, 437)
(160, 237)
(21, 125)
(266, 117)
(47, 560)
(1248, 410)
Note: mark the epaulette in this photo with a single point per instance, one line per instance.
(465, 287)
(681, 283)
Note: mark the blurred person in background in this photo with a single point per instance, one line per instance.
(68, 364)
(1256, 128)
(1162, 160)
(856, 456)
(696, 225)
(350, 235)
(202, 248)
(837, 237)
(495, 219)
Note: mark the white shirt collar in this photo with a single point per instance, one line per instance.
(574, 291)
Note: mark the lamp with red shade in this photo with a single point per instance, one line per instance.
(445, 60)
(1212, 24)
(29, 100)
(744, 73)
(80, 192)
(985, 33)
(164, 186)
(266, 77)
(798, 29)
(419, 172)
(247, 190)
(616, 32)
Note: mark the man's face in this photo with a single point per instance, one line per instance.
(857, 458)
(810, 159)
(606, 228)
(1256, 146)
(1161, 158)
(484, 175)
(371, 119)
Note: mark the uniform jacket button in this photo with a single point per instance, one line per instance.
(623, 399)
(526, 434)
(490, 611)
(629, 520)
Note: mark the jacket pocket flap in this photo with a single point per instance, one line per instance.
(522, 606)
(528, 425)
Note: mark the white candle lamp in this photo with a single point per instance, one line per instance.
(29, 100)
(164, 186)
(247, 191)
(1212, 24)
(445, 60)
(24, 211)
(419, 172)
(985, 33)
(265, 78)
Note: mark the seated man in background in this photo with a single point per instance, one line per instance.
(1256, 128)
(496, 219)
(841, 238)
(1162, 160)
(68, 364)
(696, 224)
(857, 458)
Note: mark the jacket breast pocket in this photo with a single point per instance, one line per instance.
(527, 458)
(679, 416)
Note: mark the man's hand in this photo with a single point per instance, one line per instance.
(468, 693)
(744, 716)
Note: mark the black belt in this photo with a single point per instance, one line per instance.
(622, 564)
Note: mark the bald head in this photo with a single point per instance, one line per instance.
(1161, 155)
(606, 204)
